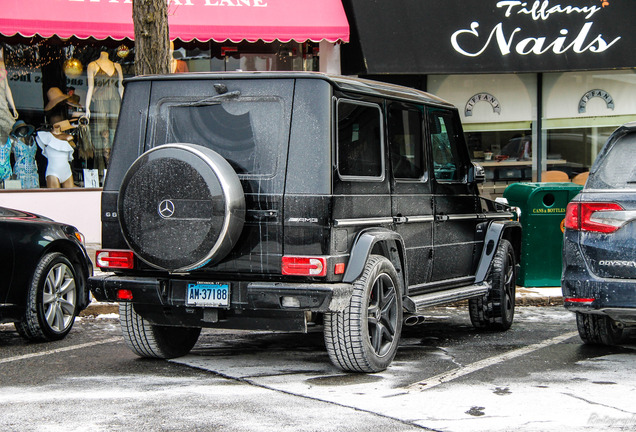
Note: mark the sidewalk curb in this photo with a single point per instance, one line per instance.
(549, 296)
(97, 308)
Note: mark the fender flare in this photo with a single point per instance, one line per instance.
(497, 230)
(391, 246)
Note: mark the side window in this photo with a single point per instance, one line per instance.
(447, 160)
(405, 142)
(360, 147)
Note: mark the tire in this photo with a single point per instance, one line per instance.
(598, 329)
(180, 207)
(496, 309)
(154, 341)
(51, 305)
(364, 337)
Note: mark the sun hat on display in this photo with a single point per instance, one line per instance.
(19, 128)
(54, 96)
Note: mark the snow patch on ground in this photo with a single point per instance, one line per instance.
(554, 401)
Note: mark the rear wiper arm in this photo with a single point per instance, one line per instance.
(213, 100)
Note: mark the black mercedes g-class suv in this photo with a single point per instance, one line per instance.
(283, 200)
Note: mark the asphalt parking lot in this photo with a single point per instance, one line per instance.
(446, 377)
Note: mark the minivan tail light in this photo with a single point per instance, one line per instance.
(593, 217)
(304, 266)
(579, 300)
(115, 259)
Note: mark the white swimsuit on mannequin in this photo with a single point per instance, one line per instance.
(58, 153)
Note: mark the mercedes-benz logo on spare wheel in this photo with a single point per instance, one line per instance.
(166, 209)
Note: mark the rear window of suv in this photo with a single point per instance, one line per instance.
(246, 131)
(615, 168)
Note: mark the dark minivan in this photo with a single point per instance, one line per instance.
(599, 249)
(285, 201)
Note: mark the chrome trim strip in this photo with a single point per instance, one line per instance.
(362, 221)
(420, 219)
(423, 301)
(616, 218)
(479, 216)
(498, 215)
(461, 216)
(609, 191)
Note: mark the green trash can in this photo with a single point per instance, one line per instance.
(542, 214)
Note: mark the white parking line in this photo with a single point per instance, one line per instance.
(59, 350)
(482, 364)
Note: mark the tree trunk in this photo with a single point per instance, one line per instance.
(152, 43)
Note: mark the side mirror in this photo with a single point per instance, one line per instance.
(477, 174)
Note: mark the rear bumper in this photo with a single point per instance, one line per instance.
(585, 292)
(167, 292)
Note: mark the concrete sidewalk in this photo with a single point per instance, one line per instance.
(539, 296)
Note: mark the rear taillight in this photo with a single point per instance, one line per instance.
(115, 259)
(594, 217)
(304, 266)
(579, 300)
(124, 295)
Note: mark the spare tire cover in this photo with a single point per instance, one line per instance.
(181, 206)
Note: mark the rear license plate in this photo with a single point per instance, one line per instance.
(208, 294)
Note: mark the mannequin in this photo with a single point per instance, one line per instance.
(102, 106)
(102, 67)
(58, 147)
(176, 66)
(7, 117)
(23, 146)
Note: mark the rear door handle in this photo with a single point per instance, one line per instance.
(261, 215)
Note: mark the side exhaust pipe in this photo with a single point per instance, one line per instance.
(412, 320)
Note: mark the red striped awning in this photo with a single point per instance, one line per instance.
(202, 20)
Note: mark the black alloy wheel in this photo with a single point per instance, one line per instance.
(496, 309)
(364, 337)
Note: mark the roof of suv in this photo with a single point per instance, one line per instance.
(344, 83)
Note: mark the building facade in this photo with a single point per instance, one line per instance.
(62, 65)
(540, 84)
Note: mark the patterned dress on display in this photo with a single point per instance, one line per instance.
(5, 161)
(25, 167)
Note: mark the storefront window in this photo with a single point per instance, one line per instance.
(275, 56)
(506, 155)
(66, 95)
(499, 114)
(581, 110)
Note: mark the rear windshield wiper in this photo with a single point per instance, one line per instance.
(213, 100)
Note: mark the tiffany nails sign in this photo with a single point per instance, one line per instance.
(495, 36)
(571, 40)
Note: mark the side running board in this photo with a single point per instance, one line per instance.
(423, 301)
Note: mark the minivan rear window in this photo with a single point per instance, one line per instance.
(246, 131)
(615, 169)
